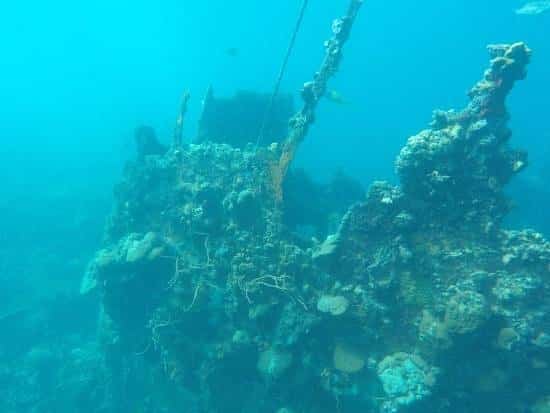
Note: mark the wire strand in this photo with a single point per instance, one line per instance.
(282, 71)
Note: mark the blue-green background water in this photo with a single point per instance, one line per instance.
(76, 78)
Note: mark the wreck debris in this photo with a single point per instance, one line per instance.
(147, 142)
(236, 120)
(178, 129)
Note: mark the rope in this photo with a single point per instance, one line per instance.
(282, 71)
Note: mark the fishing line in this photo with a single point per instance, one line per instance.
(282, 71)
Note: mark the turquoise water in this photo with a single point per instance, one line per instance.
(78, 78)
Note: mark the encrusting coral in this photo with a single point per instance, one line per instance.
(457, 168)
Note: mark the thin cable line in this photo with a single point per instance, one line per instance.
(269, 108)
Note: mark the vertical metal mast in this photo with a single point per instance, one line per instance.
(313, 91)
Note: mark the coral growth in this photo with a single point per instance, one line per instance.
(420, 301)
(456, 169)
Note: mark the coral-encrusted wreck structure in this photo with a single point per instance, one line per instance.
(420, 301)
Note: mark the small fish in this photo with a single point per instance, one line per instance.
(232, 52)
(336, 97)
(534, 7)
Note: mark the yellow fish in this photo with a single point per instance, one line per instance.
(336, 97)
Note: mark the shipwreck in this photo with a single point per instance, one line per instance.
(420, 300)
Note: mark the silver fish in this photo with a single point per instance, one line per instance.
(534, 7)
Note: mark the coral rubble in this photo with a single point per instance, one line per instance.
(420, 301)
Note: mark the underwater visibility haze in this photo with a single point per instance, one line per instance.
(275, 207)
